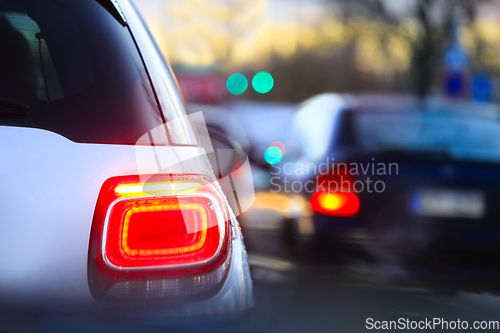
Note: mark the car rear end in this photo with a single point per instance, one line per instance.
(107, 194)
(415, 180)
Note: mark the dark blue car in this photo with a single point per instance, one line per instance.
(408, 175)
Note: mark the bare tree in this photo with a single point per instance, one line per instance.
(434, 17)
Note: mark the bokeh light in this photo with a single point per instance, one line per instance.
(331, 201)
(263, 82)
(278, 144)
(237, 84)
(262, 179)
(273, 155)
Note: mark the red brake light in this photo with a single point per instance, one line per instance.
(161, 232)
(163, 223)
(335, 203)
(168, 226)
(335, 195)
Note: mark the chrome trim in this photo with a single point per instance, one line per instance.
(119, 10)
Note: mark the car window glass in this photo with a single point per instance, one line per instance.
(86, 81)
(462, 136)
(180, 128)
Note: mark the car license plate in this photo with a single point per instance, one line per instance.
(448, 203)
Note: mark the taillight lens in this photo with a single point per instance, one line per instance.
(335, 195)
(161, 232)
(335, 203)
(168, 226)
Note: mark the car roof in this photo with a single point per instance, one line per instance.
(433, 105)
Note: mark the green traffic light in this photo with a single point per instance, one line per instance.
(263, 82)
(237, 84)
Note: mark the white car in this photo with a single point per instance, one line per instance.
(106, 193)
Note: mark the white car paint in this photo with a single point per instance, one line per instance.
(49, 190)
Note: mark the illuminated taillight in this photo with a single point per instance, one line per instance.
(168, 226)
(161, 232)
(335, 203)
(335, 193)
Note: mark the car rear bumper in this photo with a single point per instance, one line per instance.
(446, 235)
(229, 299)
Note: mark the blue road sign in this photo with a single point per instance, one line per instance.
(482, 87)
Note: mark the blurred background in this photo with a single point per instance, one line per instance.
(322, 46)
(412, 83)
(409, 82)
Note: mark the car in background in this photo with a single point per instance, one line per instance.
(264, 124)
(107, 195)
(222, 120)
(419, 178)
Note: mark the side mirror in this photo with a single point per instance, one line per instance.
(228, 152)
(232, 168)
(229, 162)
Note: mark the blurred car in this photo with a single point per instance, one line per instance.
(222, 120)
(107, 194)
(264, 123)
(414, 176)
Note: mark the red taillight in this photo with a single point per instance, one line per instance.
(335, 203)
(168, 226)
(161, 232)
(335, 194)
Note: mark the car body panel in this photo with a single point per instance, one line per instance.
(45, 235)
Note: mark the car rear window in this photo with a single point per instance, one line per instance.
(460, 135)
(78, 70)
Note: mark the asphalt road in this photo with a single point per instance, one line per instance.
(334, 293)
(339, 291)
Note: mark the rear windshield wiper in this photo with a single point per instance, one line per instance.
(12, 109)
